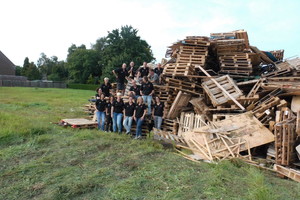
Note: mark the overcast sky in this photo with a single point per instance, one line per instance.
(31, 27)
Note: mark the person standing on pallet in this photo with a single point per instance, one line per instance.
(128, 113)
(139, 116)
(131, 71)
(98, 93)
(159, 70)
(135, 90)
(106, 87)
(158, 113)
(109, 123)
(144, 71)
(117, 113)
(153, 77)
(100, 111)
(147, 91)
(121, 74)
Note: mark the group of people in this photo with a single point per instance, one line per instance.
(113, 112)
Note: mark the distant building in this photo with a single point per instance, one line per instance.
(6, 66)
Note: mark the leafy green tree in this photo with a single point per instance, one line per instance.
(121, 46)
(18, 71)
(82, 63)
(25, 67)
(51, 68)
(33, 72)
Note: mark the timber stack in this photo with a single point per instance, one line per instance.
(227, 99)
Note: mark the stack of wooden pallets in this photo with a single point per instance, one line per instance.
(239, 63)
(187, 53)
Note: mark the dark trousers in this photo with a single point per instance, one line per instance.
(109, 124)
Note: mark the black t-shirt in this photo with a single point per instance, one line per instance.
(129, 109)
(147, 88)
(144, 71)
(105, 89)
(158, 109)
(139, 110)
(132, 74)
(121, 75)
(108, 106)
(118, 106)
(158, 71)
(136, 89)
(101, 105)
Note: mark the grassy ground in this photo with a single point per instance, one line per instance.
(39, 160)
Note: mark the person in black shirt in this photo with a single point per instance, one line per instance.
(109, 124)
(98, 93)
(128, 113)
(147, 91)
(117, 113)
(158, 113)
(131, 70)
(144, 70)
(158, 70)
(106, 87)
(121, 74)
(135, 89)
(100, 111)
(139, 116)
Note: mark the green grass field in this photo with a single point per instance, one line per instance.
(40, 160)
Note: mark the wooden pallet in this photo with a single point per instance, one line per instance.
(79, 123)
(278, 54)
(285, 137)
(288, 172)
(216, 95)
(170, 126)
(190, 121)
(178, 69)
(181, 101)
(239, 63)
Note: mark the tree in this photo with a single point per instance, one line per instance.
(18, 71)
(33, 72)
(51, 68)
(121, 46)
(25, 67)
(82, 63)
(30, 70)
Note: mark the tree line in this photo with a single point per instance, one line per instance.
(85, 65)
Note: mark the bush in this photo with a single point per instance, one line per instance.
(82, 86)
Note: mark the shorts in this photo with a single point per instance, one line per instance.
(120, 86)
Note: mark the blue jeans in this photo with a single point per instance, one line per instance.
(117, 122)
(157, 122)
(139, 124)
(127, 123)
(148, 100)
(100, 117)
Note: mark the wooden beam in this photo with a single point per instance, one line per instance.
(219, 86)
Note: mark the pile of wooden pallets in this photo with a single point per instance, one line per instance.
(185, 55)
(224, 103)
